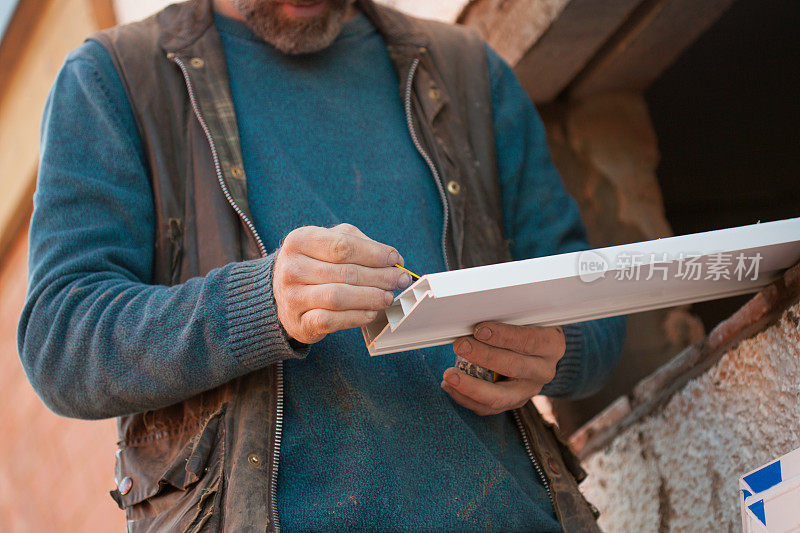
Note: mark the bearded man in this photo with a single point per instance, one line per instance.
(223, 191)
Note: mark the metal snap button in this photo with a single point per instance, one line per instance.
(170, 55)
(253, 459)
(125, 485)
(236, 172)
(197, 62)
(434, 93)
(453, 187)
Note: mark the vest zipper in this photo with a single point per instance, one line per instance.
(427, 158)
(272, 511)
(446, 210)
(534, 462)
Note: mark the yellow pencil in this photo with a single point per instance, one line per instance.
(407, 270)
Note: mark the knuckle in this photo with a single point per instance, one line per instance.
(510, 340)
(308, 322)
(295, 237)
(516, 366)
(330, 297)
(319, 323)
(341, 249)
(289, 297)
(282, 303)
(377, 298)
(368, 298)
(289, 272)
(482, 353)
(372, 299)
(561, 345)
(387, 277)
(279, 275)
(325, 322)
(349, 274)
(531, 342)
(288, 242)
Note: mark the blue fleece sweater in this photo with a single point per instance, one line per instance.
(368, 441)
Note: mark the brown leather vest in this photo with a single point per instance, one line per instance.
(211, 461)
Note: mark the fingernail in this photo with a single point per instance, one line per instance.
(452, 378)
(388, 298)
(394, 258)
(464, 347)
(443, 385)
(483, 333)
(403, 281)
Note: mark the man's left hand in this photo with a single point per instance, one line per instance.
(526, 355)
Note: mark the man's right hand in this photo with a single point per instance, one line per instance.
(328, 279)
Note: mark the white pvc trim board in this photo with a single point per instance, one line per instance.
(440, 307)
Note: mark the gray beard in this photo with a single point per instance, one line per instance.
(266, 19)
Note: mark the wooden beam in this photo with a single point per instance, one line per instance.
(653, 38)
(568, 45)
(511, 26)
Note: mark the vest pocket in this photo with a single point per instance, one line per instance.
(173, 483)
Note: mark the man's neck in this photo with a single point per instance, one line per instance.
(226, 8)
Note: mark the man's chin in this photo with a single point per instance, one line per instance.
(308, 35)
(298, 44)
(295, 27)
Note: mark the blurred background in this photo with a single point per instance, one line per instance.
(664, 117)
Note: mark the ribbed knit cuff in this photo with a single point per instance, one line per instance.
(568, 369)
(256, 337)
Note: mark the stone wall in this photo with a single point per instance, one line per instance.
(671, 462)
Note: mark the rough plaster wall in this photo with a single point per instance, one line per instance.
(678, 470)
